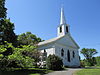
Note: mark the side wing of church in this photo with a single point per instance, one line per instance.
(63, 45)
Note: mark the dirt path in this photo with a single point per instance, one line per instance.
(70, 71)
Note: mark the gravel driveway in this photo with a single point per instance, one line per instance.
(70, 71)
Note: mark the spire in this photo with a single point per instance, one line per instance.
(62, 18)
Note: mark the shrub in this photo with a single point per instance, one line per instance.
(54, 62)
(82, 63)
(98, 61)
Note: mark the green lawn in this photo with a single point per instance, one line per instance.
(88, 72)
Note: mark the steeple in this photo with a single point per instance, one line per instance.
(62, 17)
(63, 28)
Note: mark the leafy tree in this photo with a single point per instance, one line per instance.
(88, 54)
(17, 58)
(7, 32)
(28, 39)
(6, 27)
(22, 59)
(2, 9)
(54, 62)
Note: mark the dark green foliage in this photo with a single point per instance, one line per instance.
(88, 54)
(82, 63)
(6, 27)
(54, 62)
(94, 60)
(97, 60)
(16, 57)
(28, 39)
(2, 9)
(29, 71)
(7, 32)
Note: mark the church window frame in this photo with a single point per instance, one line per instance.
(60, 29)
(62, 52)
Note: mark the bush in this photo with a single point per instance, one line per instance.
(82, 63)
(54, 62)
(98, 61)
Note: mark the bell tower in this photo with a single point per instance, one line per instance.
(63, 28)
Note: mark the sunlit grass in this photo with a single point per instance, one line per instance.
(88, 72)
(34, 74)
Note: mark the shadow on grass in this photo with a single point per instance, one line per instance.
(92, 67)
(23, 72)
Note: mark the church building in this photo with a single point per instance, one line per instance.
(63, 45)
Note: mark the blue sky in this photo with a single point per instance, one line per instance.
(41, 17)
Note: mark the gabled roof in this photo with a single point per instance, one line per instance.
(55, 39)
(49, 41)
(74, 41)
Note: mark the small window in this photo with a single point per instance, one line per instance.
(60, 29)
(62, 52)
(73, 54)
(66, 28)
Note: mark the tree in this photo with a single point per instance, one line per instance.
(54, 62)
(2, 9)
(28, 39)
(6, 27)
(18, 57)
(88, 54)
(7, 32)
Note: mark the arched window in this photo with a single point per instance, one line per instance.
(62, 52)
(66, 28)
(73, 54)
(68, 56)
(60, 29)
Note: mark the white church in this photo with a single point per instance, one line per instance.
(63, 45)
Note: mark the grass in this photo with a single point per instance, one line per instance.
(30, 71)
(88, 72)
(34, 74)
(92, 66)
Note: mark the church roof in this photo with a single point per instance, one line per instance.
(49, 41)
(55, 39)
